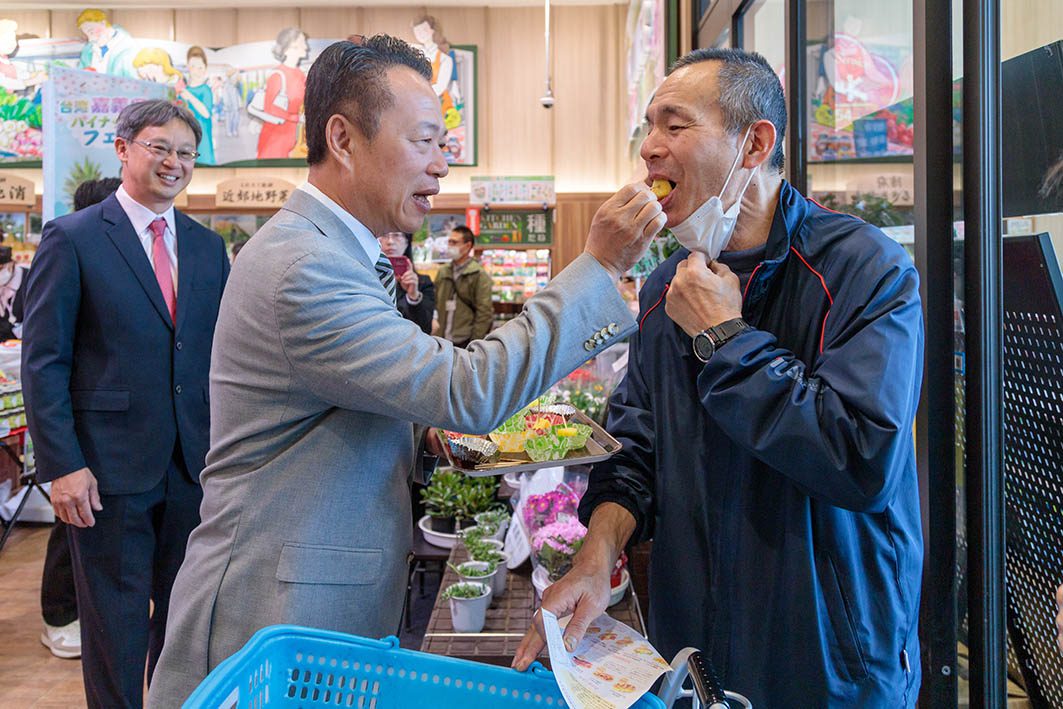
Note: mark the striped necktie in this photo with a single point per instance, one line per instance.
(386, 273)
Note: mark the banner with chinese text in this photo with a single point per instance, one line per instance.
(80, 115)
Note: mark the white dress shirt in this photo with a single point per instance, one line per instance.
(365, 237)
(141, 218)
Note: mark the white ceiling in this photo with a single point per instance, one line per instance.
(183, 4)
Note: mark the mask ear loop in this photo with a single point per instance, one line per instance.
(733, 166)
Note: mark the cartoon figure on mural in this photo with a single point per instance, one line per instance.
(230, 104)
(154, 64)
(12, 79)
(282, 100)
(446, 82)
(109, 47)
(199, 97)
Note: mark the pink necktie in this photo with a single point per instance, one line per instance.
(161, 261)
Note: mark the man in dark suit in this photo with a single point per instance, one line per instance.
(120, 310)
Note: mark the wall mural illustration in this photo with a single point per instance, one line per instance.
(247, 97)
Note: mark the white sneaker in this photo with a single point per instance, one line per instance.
(65, 641)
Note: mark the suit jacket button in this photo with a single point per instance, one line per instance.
(588, 345)
(179, 345)
(177, 389)
(613, 328)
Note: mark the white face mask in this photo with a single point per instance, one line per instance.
(453, 253)
(709, 228)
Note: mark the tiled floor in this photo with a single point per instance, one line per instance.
(30, 677)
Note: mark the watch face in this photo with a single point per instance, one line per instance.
(703, 347)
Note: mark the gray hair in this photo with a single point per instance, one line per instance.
(750, 91)
(137, 116)
(284, 40)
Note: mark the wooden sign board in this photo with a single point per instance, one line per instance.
(16, 191)
(252, 192)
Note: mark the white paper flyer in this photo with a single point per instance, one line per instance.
(610, 669)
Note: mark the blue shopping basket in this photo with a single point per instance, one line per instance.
(292, 666)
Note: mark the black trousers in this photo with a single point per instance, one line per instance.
(59, 601)
(130, 557)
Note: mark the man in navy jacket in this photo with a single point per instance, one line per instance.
(766, 419)
(120, 310)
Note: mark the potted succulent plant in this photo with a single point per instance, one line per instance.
(444, 502)
(488, 554)
(497, 516)
(468, 605)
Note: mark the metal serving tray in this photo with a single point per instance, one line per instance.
(600, 446)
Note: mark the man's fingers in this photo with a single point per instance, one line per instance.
(577, 626)
(696, 258)
(84, 510)
(530, 646)
(94, 496)
(654, 227)
(720, 269)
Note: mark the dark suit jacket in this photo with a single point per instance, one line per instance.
(423, 312)
(110, 383)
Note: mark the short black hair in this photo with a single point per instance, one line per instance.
(91, 192)
(351, 79)
(750, 91)
(466, 234)
(137, 116)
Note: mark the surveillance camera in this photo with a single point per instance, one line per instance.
(547, 101)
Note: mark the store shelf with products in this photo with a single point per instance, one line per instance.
(518, 274)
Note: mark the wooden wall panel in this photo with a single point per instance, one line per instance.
(588, 116)
(64, 24)
(261, 24)
(520, 131)
(574, 215)
(207, 28)
(331, 22)
(35, 22)
(147, 24)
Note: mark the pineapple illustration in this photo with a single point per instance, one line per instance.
(80, 172)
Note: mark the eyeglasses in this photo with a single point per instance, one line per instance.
(392, 236)
(163, 151)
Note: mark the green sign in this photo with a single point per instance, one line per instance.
(498, 228)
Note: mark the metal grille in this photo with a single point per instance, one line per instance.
(1033, 461)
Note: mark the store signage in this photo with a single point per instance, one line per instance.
(16, 191)
(472, 219)
(512, 191)
(502, 228)
(897, 188)
(252, 192)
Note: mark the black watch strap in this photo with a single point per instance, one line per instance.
(726, 330)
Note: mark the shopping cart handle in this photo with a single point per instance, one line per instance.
(706, 684)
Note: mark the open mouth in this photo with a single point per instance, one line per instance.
(169, 179)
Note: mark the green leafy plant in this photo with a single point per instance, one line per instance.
(462, 590)
(471, 572)
(441, 495)
(476, 495)
(80, 172)
(488, 554)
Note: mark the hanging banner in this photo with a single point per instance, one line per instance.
(16, 191)
(250, 192)
(80, 115)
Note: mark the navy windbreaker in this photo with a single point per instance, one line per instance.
(778, 481)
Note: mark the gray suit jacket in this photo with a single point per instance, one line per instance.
(317, 383)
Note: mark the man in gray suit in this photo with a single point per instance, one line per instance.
(321, 391)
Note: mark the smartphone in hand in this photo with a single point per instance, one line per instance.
(400, 264)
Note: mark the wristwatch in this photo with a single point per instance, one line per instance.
(708, 341)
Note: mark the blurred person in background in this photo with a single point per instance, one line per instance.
(417, 293)
(463, 292)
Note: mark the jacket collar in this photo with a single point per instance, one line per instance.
(312, 209)
(790, 214)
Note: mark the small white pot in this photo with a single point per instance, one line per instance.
(488, 580)
(468, 614)
(498, 581)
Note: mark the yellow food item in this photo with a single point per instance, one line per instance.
(566, 432)
(661, 188)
